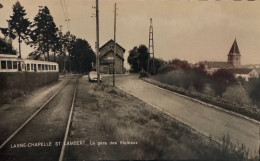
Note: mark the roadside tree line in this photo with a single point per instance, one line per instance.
(48, 41)
(180, 73)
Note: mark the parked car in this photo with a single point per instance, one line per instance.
(92, 76)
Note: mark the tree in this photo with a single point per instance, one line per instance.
(143, 56)
(158, 63)
(133, 60)
(138, 58)
(6, 48)
(199, 77)
(175, 64)
(19, 26)
(82, 56)
(44, 32)
(221, 79)
(253, 90)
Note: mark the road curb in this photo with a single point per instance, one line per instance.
(207, 104)
(174, 117)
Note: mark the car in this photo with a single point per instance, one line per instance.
(92, 76)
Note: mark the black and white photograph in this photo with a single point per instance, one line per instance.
(129, 80)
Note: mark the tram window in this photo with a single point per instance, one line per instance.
(46, 68)
(39, 67)
(55, 67)
(49, 67)
(14, 64)
(42, 67)
(9, 64)
(32, 66)
(23, 66)
(3, 64)
(28, 66)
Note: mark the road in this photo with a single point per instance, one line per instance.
(210, 121)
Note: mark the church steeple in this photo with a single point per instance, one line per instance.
(234, 55)
(234, 49)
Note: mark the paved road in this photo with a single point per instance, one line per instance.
(205, 119)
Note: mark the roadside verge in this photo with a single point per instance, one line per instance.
(253, 117)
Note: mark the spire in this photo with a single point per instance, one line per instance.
(234, 48)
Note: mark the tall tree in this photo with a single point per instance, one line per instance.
(138, 58)
(82, 56)
(19, 25)
(44, 32)
(133, 60)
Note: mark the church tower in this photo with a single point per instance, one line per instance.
(234, 55)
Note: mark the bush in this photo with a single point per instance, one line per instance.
(23, 82)
(143, 74)
(253, 89)
(222, 78)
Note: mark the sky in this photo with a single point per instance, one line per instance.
(190, 30)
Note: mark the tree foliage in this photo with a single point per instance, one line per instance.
(44, 32)
(253, 89)
(19, 25)
(221, 79)
(6, 48)
(82, 56)
(174, 65)
(138, 58)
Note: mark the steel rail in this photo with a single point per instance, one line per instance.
(30, 118)
(68, 124)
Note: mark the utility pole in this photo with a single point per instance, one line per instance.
(114, 62)
(97, 43)
(151, 46)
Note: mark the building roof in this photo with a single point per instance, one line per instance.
(234, 48)
(112, 41)
(111, 50)
(258, 70)
(240, 70)
(216, 64)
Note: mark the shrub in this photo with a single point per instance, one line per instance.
(222, 78)
(253, 89)
(143, 74)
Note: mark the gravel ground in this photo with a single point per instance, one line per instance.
(47, 128)
(12, 115)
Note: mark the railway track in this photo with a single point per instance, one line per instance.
(38, 135)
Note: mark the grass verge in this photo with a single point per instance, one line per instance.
(104, 113)
(246, 110)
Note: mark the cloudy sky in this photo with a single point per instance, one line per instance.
(186, 29)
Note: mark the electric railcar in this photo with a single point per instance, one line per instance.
(10, 63)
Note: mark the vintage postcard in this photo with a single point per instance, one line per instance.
(129, 80)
